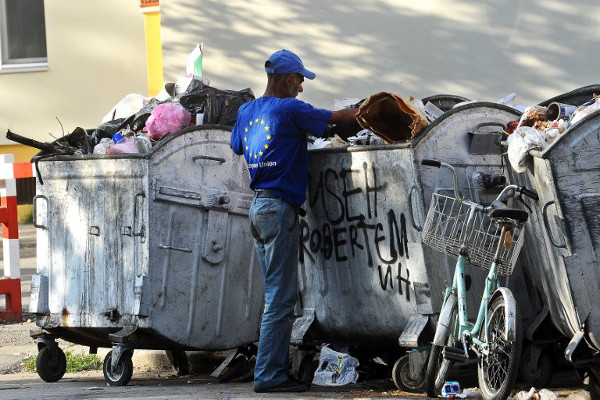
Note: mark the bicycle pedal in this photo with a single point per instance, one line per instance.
(454, 354)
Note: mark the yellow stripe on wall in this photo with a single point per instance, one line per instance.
(22, 153)
(153, 52)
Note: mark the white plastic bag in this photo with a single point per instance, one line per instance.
(583, 111)
(520, 142)
(335, 369)
(129, 105)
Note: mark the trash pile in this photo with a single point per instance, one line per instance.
(382, 118)
(540, 126)
(138, 123)
(387, 118)
(140, 131)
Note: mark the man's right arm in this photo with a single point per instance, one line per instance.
(346, 116)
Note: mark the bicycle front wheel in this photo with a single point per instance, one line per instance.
(437, 365)
(497, 371)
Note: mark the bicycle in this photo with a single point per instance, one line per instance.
(488, 237)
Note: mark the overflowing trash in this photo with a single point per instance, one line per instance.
(137, 123)
(539, 126)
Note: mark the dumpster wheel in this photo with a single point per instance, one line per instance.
(122, 374)
(537, 374)
(404, 380)
(51, 366)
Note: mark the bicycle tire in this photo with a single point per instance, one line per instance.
(437, 366)
(497, 371)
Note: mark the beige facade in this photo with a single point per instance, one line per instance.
(96, 56)
(480, 50)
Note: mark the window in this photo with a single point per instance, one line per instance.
(22, 36)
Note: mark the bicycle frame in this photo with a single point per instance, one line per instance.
(458, 289)
(489, 238)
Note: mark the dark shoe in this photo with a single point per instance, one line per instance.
(287, 386)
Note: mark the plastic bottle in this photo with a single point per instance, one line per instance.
(102, 147)
(143, 144)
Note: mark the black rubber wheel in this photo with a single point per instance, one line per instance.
(497, 371)
(437, 365)
(404, 380)
(51, 367)
(539, 375)
(123, 373)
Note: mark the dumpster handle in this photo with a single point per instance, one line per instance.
(135, 215)
(218, 159)
(481, 125)
(562, 245)
(412, 210)
(38, 196)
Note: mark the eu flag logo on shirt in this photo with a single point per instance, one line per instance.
(257, 141)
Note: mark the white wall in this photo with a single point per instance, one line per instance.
(478, 49)
(96, 55)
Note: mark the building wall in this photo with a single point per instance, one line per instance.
(96, 56)
(481, 50)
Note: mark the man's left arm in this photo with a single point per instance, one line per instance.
(346, 116)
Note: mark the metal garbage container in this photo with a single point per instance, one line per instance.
(366, 279)
(565, 243)
(444, 102)
(575, 97)
(145, 251)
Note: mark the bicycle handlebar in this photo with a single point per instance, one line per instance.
(431, 163)
(435, 163)
(503, 196)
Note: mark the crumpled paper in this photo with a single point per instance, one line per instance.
(391, 117)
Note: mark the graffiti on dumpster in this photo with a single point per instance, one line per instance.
(352, 226)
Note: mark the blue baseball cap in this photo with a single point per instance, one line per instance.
(286, 62)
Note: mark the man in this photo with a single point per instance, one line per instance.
(271, 133)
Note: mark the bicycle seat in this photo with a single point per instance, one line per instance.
(501, 211)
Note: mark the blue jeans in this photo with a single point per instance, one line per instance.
(275, 228)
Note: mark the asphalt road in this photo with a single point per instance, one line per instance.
(92, 386)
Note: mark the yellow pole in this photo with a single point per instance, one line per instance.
(153, 45)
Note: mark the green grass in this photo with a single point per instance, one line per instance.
(75, 362)
(25, 213)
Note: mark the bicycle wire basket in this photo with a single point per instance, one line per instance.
(446, 227)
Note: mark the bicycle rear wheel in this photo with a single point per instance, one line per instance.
(497, 371)
(438, 366)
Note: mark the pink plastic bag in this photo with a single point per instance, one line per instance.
(167, 118)
(125, 147)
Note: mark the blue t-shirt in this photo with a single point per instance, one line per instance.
(271, 134)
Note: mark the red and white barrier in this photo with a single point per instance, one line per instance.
(10, 284)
